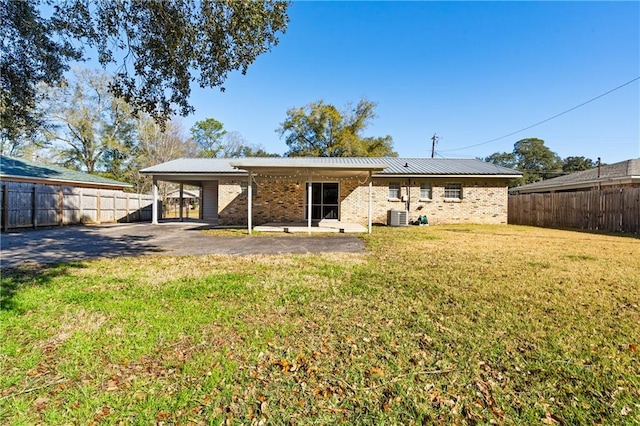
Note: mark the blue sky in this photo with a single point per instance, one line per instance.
(468, 71)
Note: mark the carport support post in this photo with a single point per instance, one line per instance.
(249, 197)
(181, 201)
(309, 199)
(370, 199)
(154, 206)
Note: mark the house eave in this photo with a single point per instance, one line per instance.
(309, 170)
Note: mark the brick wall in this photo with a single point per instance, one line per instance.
(273, 201)
(483, 201)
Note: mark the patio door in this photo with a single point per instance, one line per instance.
(324, 201)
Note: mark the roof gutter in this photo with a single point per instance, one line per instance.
(422, 176)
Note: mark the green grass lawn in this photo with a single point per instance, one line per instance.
(434, 325)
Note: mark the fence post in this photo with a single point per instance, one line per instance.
(98, 210)
(5, 208)
(60, 207)
(34, 207)
(127, 209)
(81, 206)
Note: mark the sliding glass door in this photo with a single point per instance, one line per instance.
(325, 198)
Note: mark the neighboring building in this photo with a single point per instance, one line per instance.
(359, 190)
(190, 197)
(21, 170)
(34, 194)
(618, 175)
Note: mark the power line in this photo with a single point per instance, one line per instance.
(544, 121)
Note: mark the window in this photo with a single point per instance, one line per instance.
(254, 189)
(394, 190)
(425, 191)
(453, 190)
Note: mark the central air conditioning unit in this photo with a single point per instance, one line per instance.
(398, 218)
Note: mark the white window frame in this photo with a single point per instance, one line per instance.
(426, 186)
(395, 195)
(453, 191)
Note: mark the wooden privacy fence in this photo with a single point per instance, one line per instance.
(29, 205)
(613, 210)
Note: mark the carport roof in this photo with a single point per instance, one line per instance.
(385, 166)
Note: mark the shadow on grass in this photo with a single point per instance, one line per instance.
(35, 258)
(14, 279)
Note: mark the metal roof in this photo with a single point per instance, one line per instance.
(392, 166)
(20, 168)
(312, 162)
(623, 171)
(192, 165)
(444, 167)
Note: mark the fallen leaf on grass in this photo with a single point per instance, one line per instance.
(162, 415)
(41, 402)
(101, 414)
(375, 371)
(552, 419)
(112, 385)
(490, 402)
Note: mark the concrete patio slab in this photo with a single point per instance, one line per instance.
(320, 227)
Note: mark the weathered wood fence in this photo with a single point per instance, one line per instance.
(29, 205)
(613, 210)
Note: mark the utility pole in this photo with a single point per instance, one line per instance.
(434, 138)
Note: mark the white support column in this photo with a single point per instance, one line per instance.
(181, 202)
(370, 200)
(154, 206)
(309, 199)
(249, 200)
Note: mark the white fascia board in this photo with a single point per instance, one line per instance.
(195, 174)
(317, 166)
(421, 176)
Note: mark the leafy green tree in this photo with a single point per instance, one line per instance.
(577, 164)
(532, 157)
(321, 130)
(93, 130)
(504, 159)
(208, 134)
(158, 145)
(30, 53)
(158, 49)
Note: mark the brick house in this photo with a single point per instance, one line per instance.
(356, 190)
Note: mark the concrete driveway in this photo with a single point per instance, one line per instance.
(52, 245)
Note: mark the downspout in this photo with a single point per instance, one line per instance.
(408, 205)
